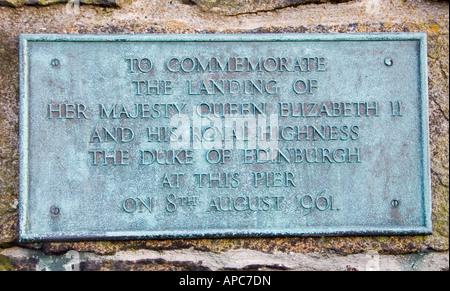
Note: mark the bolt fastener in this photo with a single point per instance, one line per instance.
(388, 62)
(395, 203)
(54, 210)
(55, 63)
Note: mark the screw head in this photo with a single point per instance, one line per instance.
(55, 63)
(395, 203)
(388, 62)
(55, 210)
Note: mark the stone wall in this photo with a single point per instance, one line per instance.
(227, 16)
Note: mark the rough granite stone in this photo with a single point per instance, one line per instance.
(18, 3)
(234, 7)
(240, 259)
(163, 16)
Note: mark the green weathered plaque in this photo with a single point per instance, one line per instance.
(156, 136)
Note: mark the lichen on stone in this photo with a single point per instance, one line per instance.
(234, 7)
(5, 264)
(158, 16)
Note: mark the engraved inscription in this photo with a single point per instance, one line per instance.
(227, 135)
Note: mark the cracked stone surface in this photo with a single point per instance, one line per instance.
(173, 16)
(234, 7)
(189, 259)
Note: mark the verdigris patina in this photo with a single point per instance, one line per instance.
(153, 136)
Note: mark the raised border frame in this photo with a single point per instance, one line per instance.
(337, 231)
